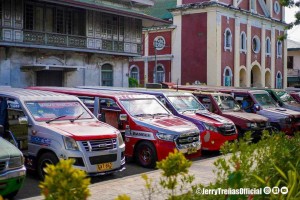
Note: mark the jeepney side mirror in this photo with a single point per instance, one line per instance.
(257, 107)
(123, 117)
(23, 120)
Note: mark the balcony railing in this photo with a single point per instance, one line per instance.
(57, 40)
(294, 72)
(54, 39)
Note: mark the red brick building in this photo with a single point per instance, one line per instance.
(226, 42)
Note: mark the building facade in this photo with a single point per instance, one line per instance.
(226, 42)
(293, 63)
(70, 42)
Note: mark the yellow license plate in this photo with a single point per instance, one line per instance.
(192, 150)
(104, 166)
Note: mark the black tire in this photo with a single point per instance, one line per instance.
(276, 127)
(44, 159)
(11, 195)
(146, 154)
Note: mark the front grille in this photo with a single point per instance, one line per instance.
(100, 145)
(103, 159)
(262, 125)
(227, 129)
(2, 165)
(187, 138)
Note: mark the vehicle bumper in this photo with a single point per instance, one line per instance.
(290, 129)
(12, 181)
(90, 161)
(256, 133)
(212, 141)
(192, 150)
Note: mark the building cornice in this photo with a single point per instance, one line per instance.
(210, 4)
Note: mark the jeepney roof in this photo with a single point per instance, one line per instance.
(167, 92)
(29, 95)
(93, 92)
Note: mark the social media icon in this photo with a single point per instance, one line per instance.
(275, 190)
(284, 190)
(267, 190)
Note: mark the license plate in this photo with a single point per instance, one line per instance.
(192, 150)
(104, 166)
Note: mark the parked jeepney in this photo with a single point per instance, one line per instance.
(296, 96)
(12, 169)
(150, 130)
(215, 130)
(282, 119)
(48, 126)
(226, 106)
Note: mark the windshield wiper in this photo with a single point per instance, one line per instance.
(161, 114)
(142, 115)
(77, 117)
(189, 110)
(55, 118)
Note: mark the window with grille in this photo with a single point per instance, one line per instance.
(290, 62)
(268, 47)
(107, 75)
(29, 16)
(227, 40)
(243, 42)
(134, 73)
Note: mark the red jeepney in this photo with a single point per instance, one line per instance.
(150, 130)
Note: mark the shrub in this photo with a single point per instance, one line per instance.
(133, 82)
(256, 165)
(64, 182)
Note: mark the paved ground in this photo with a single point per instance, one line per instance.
(134, 186)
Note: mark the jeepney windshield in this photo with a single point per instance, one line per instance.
(227, 103)
(185, 103)
(265, 100)
(144, 107)
(285, 97)
(57, 110)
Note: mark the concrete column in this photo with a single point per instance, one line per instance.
(237, 40)
(214, 48)
(263, 54)
(176, 48)
(273, 56)
(146, 58)
(285, 70)
(249, 52)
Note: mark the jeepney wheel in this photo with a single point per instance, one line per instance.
(46, 158)
(146, 154)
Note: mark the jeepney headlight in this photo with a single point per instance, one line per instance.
(252, 125)
(164, 136)
(15, 162)
(70, 144)
(286, 120)
(210, 127)
(120, 138)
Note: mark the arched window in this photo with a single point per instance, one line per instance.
(268, 46)
(227, 81)
(227, 40)
(107, 75)
(279, 49)
(134, 73)
(243, 42)
(279, 80)
(160, 74)
(256, 44)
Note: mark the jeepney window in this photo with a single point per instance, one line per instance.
(141, 107)
(265, 100)
(226, 103)
(88, 102)
(185, 103)
(19, 131)
(108, 104)
(62, 110)
(284, 96)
